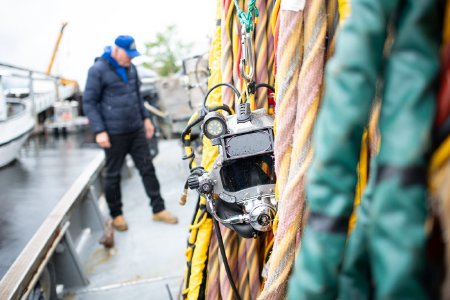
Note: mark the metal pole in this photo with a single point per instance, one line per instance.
(31, 95)
(3, 107)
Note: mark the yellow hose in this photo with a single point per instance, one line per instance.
(200, 234)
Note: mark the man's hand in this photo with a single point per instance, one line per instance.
(149, 129)
(102, 140)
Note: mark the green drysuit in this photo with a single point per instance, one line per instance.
(385, 256)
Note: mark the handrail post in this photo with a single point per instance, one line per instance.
(31, 94)
(3, 107)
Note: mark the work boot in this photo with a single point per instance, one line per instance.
(119, 223)
(166, 217)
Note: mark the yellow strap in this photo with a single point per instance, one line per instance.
(344, 10)
(446, 31)
(362, 179)
(441, 155)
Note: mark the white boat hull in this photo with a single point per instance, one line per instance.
(9, 152)
(13, 133)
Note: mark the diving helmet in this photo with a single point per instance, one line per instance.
(240, 188)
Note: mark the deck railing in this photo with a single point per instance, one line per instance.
(44, 89)
(75, 218)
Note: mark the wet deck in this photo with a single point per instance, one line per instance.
(31, 186)
(147, 260)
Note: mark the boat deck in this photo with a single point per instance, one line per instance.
(147, 260)
(31, 186)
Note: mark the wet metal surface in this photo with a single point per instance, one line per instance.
(159, 288)
(31, 186)
(148, 259)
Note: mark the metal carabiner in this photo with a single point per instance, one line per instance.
(247, 55)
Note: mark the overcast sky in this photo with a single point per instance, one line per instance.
(29, 29)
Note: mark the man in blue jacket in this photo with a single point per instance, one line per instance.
(121, 124)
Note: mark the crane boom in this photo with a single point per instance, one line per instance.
(55, 50)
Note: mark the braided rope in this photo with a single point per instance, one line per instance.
(292, 144)
(231, 243)
(287, 97)
(236, 47)
(243, 281)
(261, 54)
(227, 51)
(272, 11)
(213, 281)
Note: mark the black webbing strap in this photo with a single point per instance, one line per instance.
(329, 224)
(409, 176)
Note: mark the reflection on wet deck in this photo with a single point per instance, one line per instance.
(32, 185)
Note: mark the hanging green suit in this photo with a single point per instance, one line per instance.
(385, 257)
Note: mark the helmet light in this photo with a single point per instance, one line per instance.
(214, 125)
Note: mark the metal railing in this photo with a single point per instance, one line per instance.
(29, 80)
(61, 227)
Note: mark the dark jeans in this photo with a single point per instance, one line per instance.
(136, 145)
